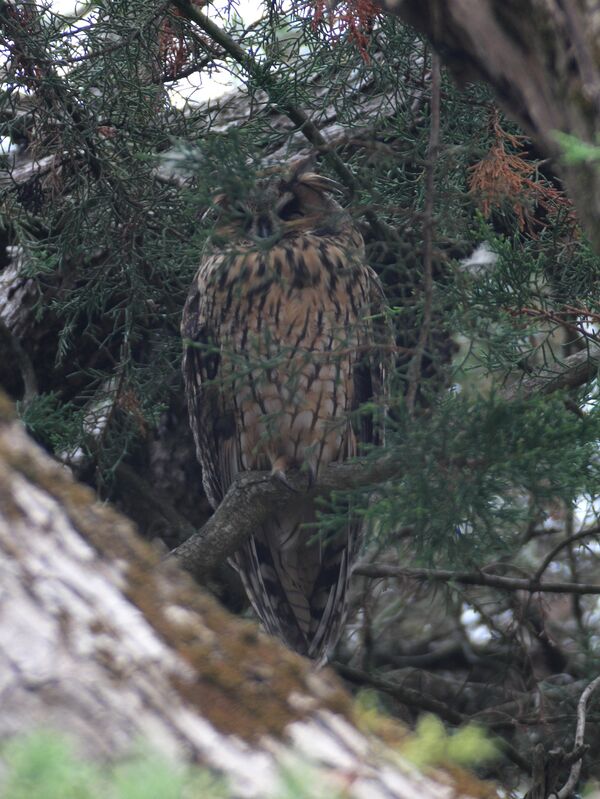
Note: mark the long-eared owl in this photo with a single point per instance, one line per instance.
(280, 352)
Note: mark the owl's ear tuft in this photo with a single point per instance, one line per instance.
(299, 168)
(302, 174)
(320, 183)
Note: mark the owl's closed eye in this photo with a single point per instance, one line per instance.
(279, 206)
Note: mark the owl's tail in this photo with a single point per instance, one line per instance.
(297, 582)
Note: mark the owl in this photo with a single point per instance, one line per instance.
(281, 349)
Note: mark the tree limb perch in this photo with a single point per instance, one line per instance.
(375, 570)
(572, 372)
(254, 496)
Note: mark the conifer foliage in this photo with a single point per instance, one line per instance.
(478, 586)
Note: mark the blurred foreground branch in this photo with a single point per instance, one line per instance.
(102, 643)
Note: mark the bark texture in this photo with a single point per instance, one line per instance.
(102, 641)
(541, 58)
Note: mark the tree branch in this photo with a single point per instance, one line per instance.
(255, 496)
(567, 790)
(561, 545)
(377, 570)
(277, 95)
(572, 372)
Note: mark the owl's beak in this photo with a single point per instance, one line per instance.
(264, 227)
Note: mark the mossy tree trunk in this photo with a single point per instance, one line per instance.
(101, 641)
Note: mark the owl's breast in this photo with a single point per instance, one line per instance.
(254, 285)
(289, 320)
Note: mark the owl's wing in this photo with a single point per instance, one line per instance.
(211, 420)
(374, 365)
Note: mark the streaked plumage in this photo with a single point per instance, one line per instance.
(279, 351)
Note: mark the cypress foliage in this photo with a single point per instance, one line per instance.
(113, 166)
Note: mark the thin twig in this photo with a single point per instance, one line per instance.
(569, 786)
(378, 570)
(414, 369)
(267, 81)
(561, 545)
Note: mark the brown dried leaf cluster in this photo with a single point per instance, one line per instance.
(23, 20)
(355, 18)
(175, 51)
(505, 177)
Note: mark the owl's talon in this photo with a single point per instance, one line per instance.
(279, 474)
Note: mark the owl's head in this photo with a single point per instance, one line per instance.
(281, 205)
